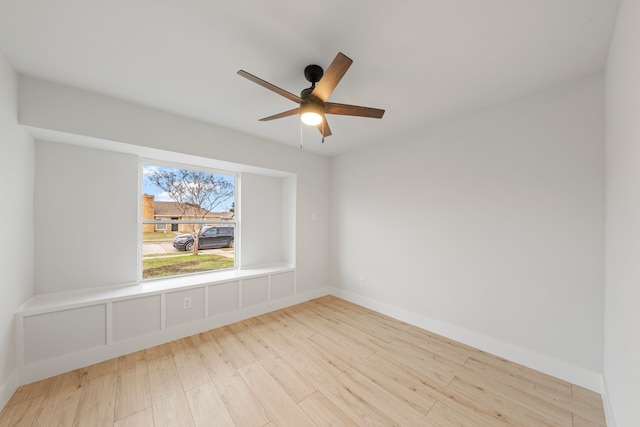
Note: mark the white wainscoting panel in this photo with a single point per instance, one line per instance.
(135, 317)
(255, 291)
(176, 312)
(52, 335)
(224, 297)
(283, 284)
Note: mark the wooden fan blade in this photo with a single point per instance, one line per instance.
(324, 88)
(281, 115)
(267, 85)
(352, 110)
(324, 128)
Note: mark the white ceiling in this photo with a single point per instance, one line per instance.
(421, 60)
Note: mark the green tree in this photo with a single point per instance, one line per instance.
(196, 193)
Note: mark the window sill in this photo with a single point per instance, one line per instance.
(72, 299)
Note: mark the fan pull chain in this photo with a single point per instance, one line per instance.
(301, 135)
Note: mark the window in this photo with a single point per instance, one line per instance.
(188, 219)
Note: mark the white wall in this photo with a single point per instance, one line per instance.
(16, 215)
(622, 298)
(86, 210)
(289, 220)
(261, 216)
(62, 113)
(488, 228)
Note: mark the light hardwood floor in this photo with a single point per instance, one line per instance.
(324, 362)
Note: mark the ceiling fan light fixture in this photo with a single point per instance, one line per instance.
(313, 104)
(311, 114)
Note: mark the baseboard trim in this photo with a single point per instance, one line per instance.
(8, 388)
(557, 368)
(606, 401)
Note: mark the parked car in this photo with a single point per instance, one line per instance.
(210, 238)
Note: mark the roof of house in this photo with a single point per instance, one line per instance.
(172, 209)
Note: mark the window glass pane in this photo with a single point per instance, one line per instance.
(188, 221)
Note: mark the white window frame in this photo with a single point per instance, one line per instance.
(233, 223)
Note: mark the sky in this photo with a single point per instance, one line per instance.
(162, 196)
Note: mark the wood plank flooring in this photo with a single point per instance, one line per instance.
(320, 363)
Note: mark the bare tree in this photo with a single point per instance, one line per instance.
(196, 193)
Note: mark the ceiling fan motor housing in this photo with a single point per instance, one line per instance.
(313, 74)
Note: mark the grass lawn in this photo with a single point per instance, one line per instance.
(173, 266)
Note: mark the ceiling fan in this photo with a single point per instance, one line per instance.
(313, 100)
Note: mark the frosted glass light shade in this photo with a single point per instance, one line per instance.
(311, 118)
(311, 113)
